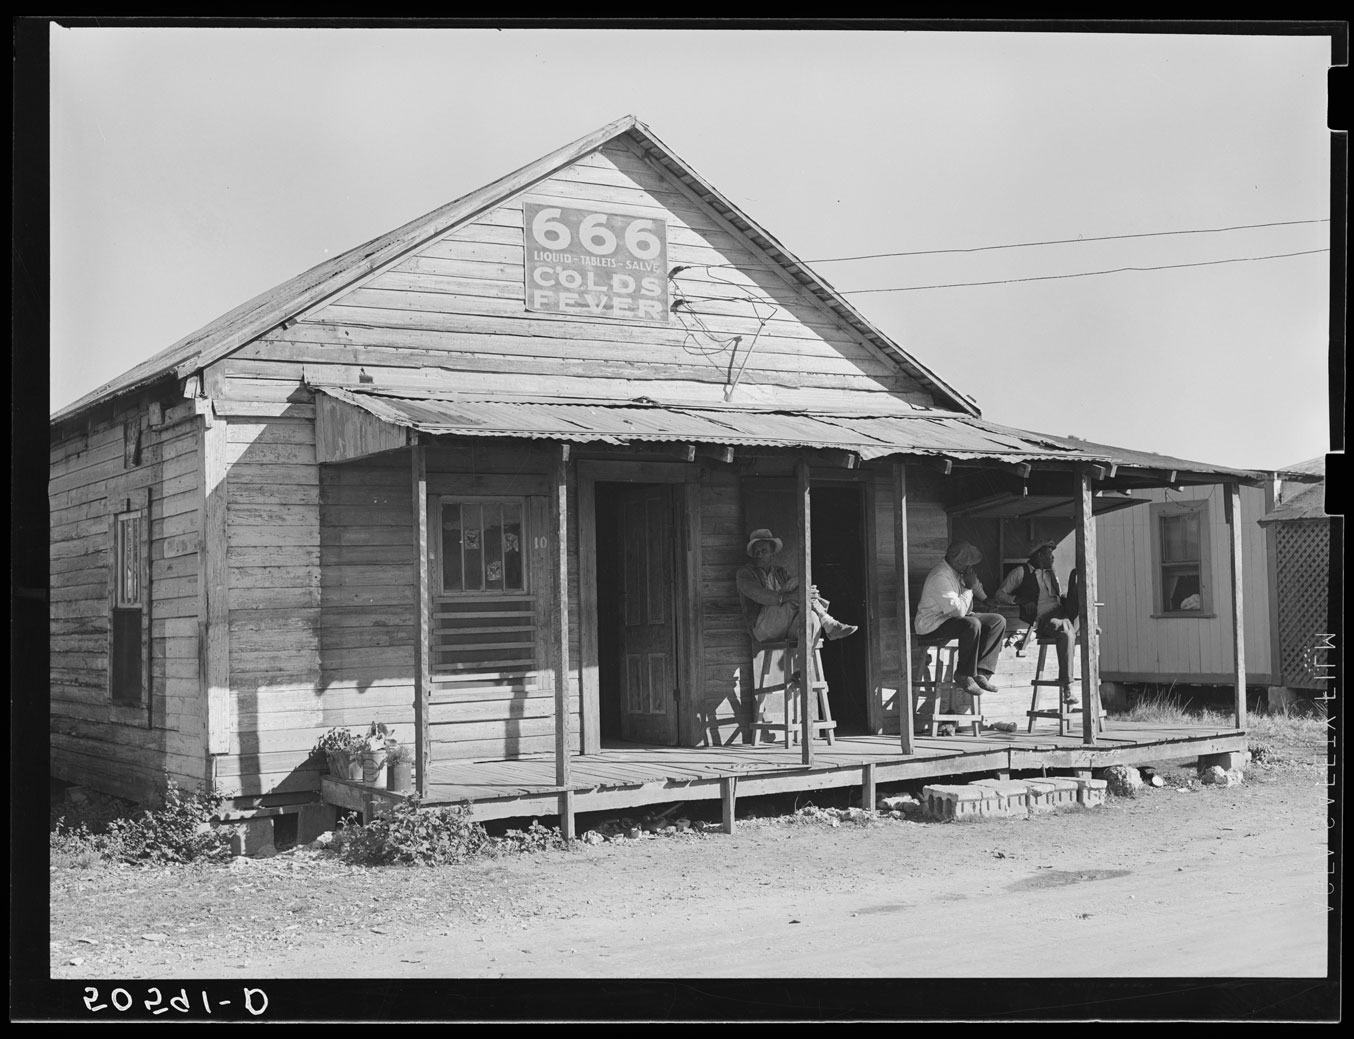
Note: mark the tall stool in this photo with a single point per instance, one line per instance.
(928, 680)
(1063, 684)
(764, 686)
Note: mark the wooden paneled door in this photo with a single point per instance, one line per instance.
(648, 636)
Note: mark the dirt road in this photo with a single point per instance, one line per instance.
(1194, 882)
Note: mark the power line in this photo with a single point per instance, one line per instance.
(1026, 245)
(1070, 241)
(1084, 274)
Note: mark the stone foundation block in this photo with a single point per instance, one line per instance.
(1091, 792)
(251, 836)
(1013, 795)
(966, 802)
(314, 820)
(1048, 794)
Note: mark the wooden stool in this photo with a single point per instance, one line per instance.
(929, 682)
(789, 722)
(1063, 684)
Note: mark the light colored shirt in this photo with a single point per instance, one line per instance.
(1048, 598)
(764, 588)
(943, 596)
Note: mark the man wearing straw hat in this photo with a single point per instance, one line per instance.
(770, 598)
(946, 612)
(1033, 586)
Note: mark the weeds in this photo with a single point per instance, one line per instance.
(408, 835)
(178, 831)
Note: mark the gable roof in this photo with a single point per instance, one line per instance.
(266, 311)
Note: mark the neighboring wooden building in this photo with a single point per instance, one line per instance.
(1298, 533)
(1164, 584)
(488, 478)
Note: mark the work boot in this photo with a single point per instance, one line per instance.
(966, 684)
(838, 630)
(985, 681)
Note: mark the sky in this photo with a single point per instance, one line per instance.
(192, 168)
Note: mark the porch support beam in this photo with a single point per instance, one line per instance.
(423, 626)
(906, 704)
(559, 499)
(1090, 643)
(728, 799)
(1232, 492)
(804, 522)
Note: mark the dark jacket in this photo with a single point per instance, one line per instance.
(1027, 595)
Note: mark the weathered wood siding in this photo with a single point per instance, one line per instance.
(1134, 645)
(118, 749)
(453, 314)
(275, 710)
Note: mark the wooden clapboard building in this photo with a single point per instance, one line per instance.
(488, 478)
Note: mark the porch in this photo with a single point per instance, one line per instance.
(629, 775)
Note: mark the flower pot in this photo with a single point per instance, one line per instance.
(400, 776)
(374, 768)
(343, 765)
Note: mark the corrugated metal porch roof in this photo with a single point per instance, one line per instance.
(869, 435)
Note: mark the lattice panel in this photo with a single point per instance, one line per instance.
(1303, 556)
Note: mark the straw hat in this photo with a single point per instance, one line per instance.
(762, 534)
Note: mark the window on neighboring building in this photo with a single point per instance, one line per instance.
(1180, 558)
(127, 671)
(482, 541)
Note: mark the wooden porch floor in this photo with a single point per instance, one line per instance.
(627, 775)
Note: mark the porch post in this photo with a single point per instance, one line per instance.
(804, 523)
(1090, 643)
(1233, 512)
(907, 707)
(560, 502)
(422, 625)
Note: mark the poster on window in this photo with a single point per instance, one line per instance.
(592, 264)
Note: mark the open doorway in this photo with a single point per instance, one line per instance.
(838, 524)
(637, 662)
(837, 518)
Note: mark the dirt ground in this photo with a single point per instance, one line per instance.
(1181, 881)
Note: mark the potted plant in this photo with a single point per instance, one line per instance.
(341, 748)
(399, 768)
(378, 740)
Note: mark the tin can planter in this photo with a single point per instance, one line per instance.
(400, 776)
(343, 765)
(374, 769)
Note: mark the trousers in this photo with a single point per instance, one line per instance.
(980, 636)
(1063, 632)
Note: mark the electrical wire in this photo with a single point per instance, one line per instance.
(1026, 245)
(1083, 274)
(1070, 241)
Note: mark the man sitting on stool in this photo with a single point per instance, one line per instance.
(1034, 588)
(770, 595)
(946, 612)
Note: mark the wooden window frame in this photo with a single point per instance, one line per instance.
(135, 502)
(1164, 510)
(439, 501)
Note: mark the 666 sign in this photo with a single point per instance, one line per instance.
(585, 263)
